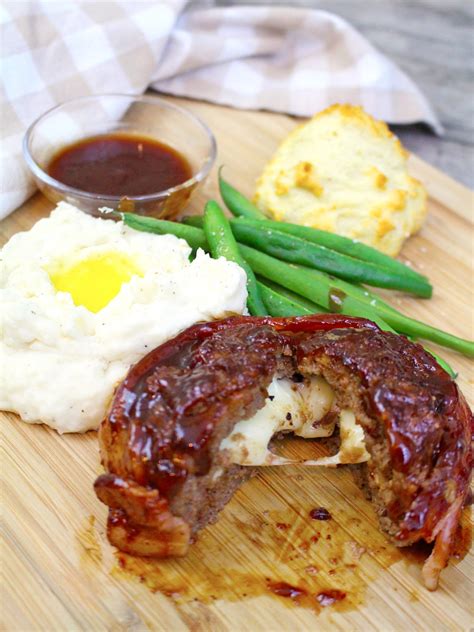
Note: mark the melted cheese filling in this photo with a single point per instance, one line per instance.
(299, 408)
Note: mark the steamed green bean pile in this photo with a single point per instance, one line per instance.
(294, 270)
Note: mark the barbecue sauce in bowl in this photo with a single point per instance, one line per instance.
(124, 165)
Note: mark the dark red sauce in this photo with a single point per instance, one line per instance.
(124, 165)
(320, 513)
(282, 589)
(178, 394)
(329, 597)
(282, 526)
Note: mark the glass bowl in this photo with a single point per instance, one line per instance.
(90, 116)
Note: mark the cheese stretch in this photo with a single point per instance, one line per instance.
(296, 408)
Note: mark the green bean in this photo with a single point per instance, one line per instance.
(343, 245)
(315, 285)
(194, 220)
(280, 305)
(329, 293)
(404, 324)
(237, 203)
(400, 323)
(295, 250)
(361, 293)
(222, 244)
(295, 298)
(411, 327)
(282, 302)
(194, 236)
(303, 282)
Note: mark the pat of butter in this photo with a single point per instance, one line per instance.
(294, 408)
(95, 280)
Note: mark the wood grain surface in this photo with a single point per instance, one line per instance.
(60, 573)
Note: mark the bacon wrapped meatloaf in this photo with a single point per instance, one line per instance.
(179, 438)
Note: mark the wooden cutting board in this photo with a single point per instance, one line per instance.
(60, 573)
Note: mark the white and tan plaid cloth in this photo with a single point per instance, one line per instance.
(277, 58)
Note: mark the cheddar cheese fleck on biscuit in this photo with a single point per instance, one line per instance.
(344, 172)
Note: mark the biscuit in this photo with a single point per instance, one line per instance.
(346, 173)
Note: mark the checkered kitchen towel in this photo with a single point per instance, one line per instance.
(277, 58)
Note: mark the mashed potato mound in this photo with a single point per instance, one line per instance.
(83, 299)
(346, 173)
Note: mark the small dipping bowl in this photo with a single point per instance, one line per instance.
(150, 116)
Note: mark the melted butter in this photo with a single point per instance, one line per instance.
(94, 281)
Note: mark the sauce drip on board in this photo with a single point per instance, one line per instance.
(120, 165)
(269, 559)
(276, 564)
(319, 513)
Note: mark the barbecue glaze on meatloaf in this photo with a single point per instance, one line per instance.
(160, 443)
